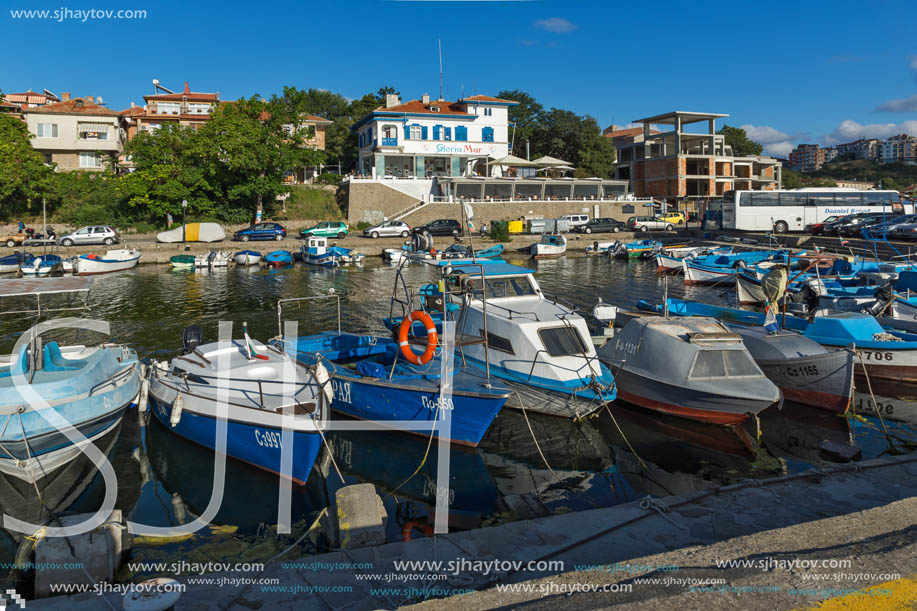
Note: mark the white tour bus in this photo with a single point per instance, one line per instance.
(793, 209)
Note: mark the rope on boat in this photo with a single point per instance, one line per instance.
(659, 505)
(535, 439)
(330, 453)
(624, 437)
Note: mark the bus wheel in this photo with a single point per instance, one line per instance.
(780, 227)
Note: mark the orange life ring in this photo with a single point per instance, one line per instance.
(432, 340)
(409, 527)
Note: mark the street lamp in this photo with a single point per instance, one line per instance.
(184, 228)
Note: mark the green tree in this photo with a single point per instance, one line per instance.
(525, 118)
(741, 145)
(24, 176)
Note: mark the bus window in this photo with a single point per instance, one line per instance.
(820, 199)
(875, 198)
(792, 199)
(765, 199)
(729, 196)
(849, 199)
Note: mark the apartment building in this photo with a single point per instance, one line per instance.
(33, 99)
(830, 153)
(189, 108)
(807, 158)
(75, 134)
(864, 148)
(426, 138)
(900, 148)
(687, 168)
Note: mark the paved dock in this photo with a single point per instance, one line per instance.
(862, 512)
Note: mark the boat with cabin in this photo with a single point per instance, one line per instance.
(695, 368)
(551, 245)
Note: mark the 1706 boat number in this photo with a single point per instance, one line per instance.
(877, 356)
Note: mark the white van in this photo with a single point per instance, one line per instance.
(575, 220)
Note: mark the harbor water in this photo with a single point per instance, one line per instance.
(527, 465)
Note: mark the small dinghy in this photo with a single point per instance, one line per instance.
(551, 245)
(803, 369)
(112, 261)
(247, 257)
(88, 388)
(278, 258)
(265, 391)
(182, 262)
(11, 263)
(43, 265)
(695, 368)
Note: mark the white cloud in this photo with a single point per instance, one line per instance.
(849, 131)
(899, 105)
(775, 142)
(558, 25)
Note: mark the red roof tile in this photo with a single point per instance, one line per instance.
(487, 98)
(74, 106)
(418, 107)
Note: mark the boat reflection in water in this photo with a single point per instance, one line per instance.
(809, 436)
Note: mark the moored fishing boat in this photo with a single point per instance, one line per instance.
(257, 391)
(278, 258)
(637, 249)
(551, 245)
(42, 265)
(316, 252)
(112, 261)
(11, 263)
(247, 257)
(695, 368)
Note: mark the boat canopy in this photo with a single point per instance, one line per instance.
(490, 268)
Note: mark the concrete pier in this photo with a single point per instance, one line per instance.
(864, 513)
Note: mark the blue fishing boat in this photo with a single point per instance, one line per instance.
(635, 250)
(265, 395)
(86, 387)
(42, 265)
(278, 258)
(721, 268)
(885, 354)
(316, 252)
(373, 381)
(347, 255)
(11, 263)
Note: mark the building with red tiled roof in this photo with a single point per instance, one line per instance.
(426, 137)
(75, 134)
(33, 99)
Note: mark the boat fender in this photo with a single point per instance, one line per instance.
(322, 378)
(144, 394)
(410, 527)
(405, 329)
(177, 407)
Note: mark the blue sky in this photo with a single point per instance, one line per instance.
(791, 72)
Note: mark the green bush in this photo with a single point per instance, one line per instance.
(499, 231)
(329, 178)
(361, 226)
(310, 204)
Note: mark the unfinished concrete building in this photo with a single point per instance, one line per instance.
(688, 168)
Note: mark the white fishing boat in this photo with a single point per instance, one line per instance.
(212, 259)
(43, 265)
(551, 245)
(246, 258)
(112, 261)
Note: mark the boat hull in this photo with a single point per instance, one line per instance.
(666, 264)
(819, 380)
(255, 444)
(688, 403)
(247, 258)
(92, 267)
(701, 274)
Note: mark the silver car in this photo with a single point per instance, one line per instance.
(96, 234)
(388, 229)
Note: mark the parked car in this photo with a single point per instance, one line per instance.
(904, 231)
(575, 220)
(441, 227)
(649, 223)
(831, 228)
(889, 224)
(326, 229)
(96, 234)
(601, 226)
(854, 226)
(261, 231)
(674, 216)
(817, 228)
(388, 229)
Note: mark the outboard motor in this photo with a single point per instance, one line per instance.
(191, 337)
(807, 295)
(885, 295)
(618, 248)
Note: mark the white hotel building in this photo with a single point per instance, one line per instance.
(433, 138)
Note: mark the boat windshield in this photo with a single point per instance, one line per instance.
(723, 364)
(516, 286)
(562, 341)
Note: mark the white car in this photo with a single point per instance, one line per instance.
(575, 220)
(96, 234)
(388, 229)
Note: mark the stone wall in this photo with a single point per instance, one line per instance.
(371, 201)
(509, 211)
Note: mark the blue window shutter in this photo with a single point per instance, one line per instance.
(407, 131)
(448, 135)
(370, 132)
(423, 132)
(461, 133)
(437, 130)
